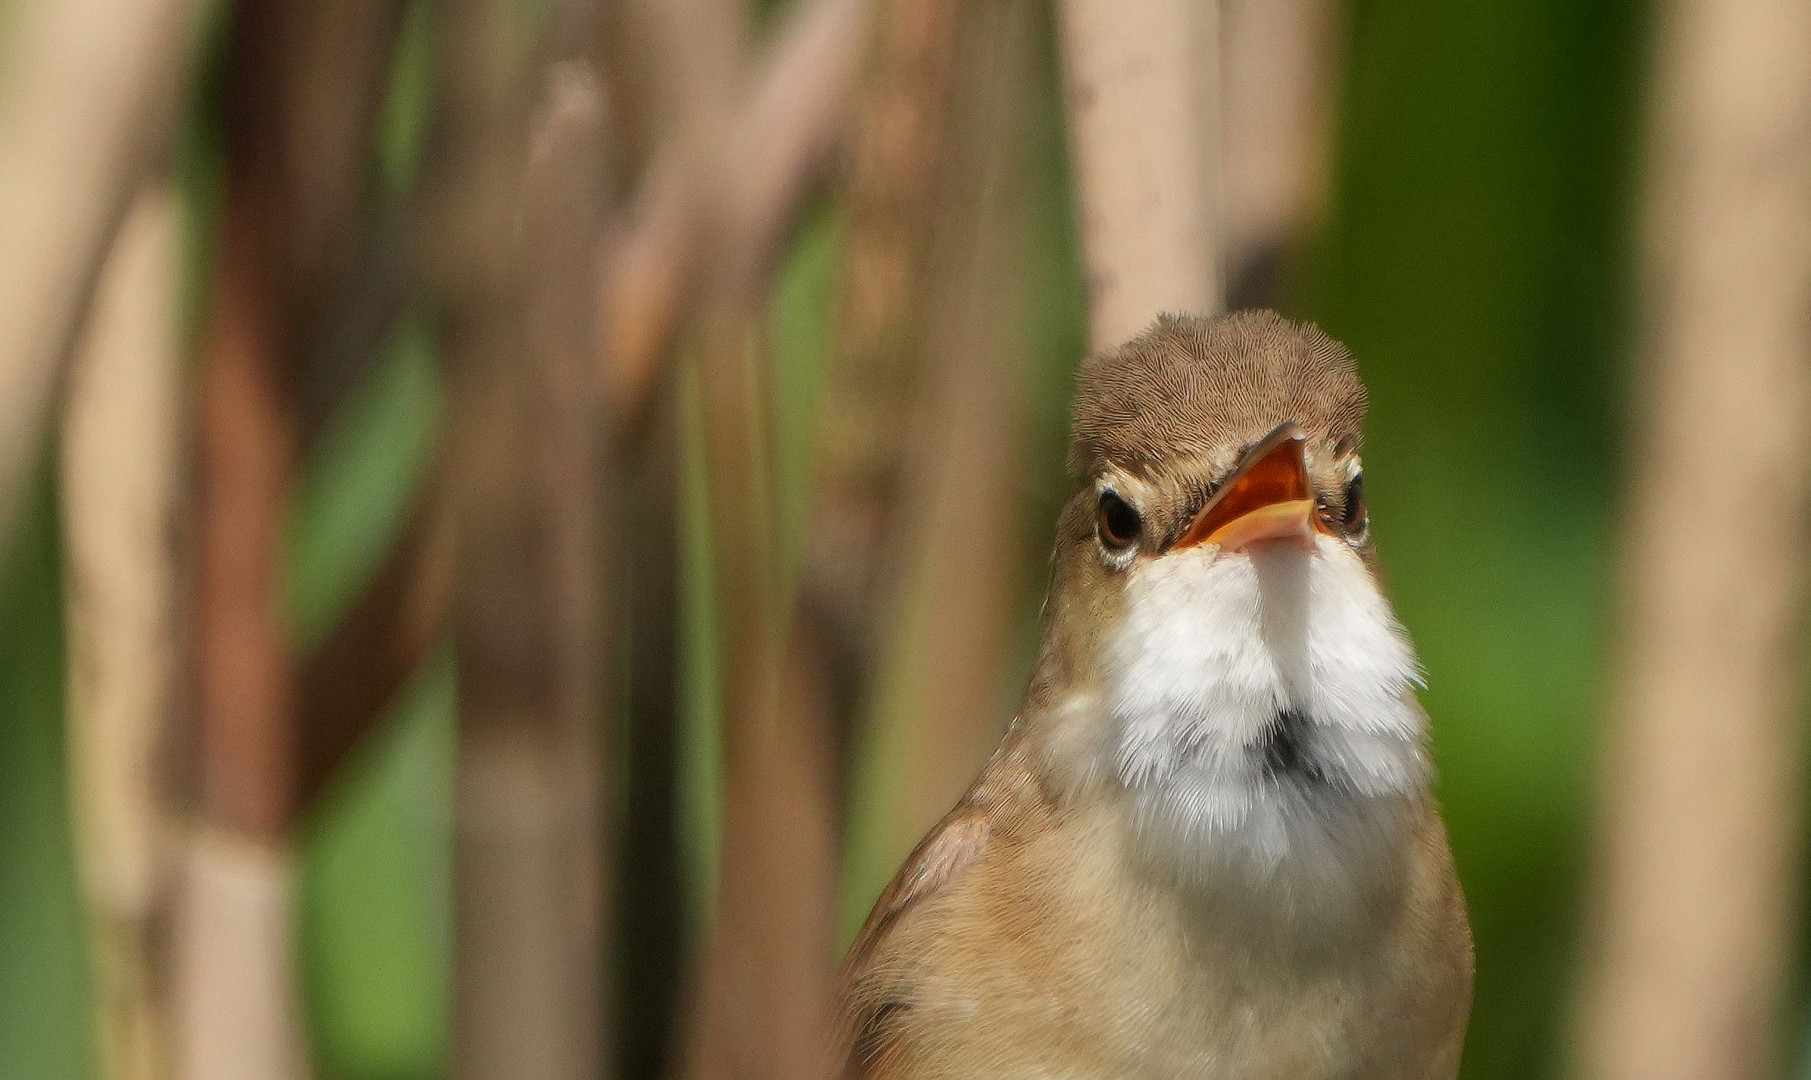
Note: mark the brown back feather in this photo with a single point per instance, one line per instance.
(1003, 798)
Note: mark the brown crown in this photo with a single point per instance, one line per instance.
(1194, 387)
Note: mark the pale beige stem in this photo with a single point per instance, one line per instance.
(234, 985)
(1142, 83)
(120, 472)
(87, 91)
(1690, 952)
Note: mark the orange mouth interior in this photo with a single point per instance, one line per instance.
(1267, 497)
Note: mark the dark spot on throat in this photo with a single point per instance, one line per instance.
(1285, 750)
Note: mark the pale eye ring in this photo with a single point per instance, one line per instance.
(1116, 523)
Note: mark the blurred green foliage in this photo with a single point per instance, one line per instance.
(1476, 261)
(1477, 264)
(43, 974)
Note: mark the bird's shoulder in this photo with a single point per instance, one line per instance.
(996, 806)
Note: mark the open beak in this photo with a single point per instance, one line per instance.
(1266, 498)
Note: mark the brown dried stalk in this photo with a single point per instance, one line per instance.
(348, 262)
(764, 993)
(777, 142)
(963, 518)
(651, 925)
(895, 162)
(525, 481)
(303, 86)
(235, 981)
(1279, 58)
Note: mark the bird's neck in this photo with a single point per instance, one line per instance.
(1254, 718)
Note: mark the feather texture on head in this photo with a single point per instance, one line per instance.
(1191, 386)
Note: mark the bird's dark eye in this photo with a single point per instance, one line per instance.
(1355, 517)
(1116, 522)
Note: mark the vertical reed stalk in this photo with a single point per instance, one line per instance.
(1689, 954)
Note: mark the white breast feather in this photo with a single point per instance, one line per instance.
(1213, 649)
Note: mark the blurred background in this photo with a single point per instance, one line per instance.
(519, 513)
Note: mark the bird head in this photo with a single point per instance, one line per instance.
(1217, 646)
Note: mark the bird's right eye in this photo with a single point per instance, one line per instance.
(1355, 518)
(1116, 522)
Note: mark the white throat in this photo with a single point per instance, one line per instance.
(1262, 711)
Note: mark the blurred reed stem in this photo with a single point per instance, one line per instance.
(651, 927)
(1701, 830)
(121, 477)
(895, 157)
(517, 232)
(304, 84)
(350, 266)
(1281, 60)
(955, 537)
(764, 989)
(1144, 146)
(88, 98)
(761, 1002)
(234, 935)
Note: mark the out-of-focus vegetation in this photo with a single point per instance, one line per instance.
(1474, 257)
(1477, 264)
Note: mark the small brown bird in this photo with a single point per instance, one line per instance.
(1206, 846)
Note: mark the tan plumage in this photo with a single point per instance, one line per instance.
(1050, 926)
